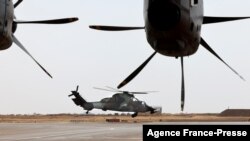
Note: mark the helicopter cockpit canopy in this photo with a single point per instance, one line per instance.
(137, 100)
(134, 99)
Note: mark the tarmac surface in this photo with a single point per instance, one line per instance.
(84, 131)
(70, 132)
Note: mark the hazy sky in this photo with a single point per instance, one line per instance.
(77, 55)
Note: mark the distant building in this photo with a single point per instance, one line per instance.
(236, 112)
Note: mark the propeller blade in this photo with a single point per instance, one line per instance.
(55, 21)
(15, 40)
(106, 89)
(70, 95)
(113, 89)
(136, 72)
(146, 92)
(113, 28)
(77, 88)
(182, 85)
(209, 20)
(138, 92)
(117, 90)
(204, 44)
(17, 3)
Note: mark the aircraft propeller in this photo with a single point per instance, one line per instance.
(206, 20)
(53, 21)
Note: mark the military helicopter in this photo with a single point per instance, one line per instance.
(173, 28)
(123, 101)
(8, 26)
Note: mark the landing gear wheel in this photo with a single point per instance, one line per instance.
(134, 115)
(152, 112)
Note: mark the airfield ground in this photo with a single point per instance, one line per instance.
(65, 127)
(121, 118)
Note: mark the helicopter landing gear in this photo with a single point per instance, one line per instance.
(134, 115)
(152, 112)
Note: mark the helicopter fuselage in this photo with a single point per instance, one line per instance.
(122, 103)
(173, 27)
(122, 107)
(6, 21)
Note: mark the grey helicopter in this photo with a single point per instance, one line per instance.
(173, 28)
(8, 26)
(122, 101)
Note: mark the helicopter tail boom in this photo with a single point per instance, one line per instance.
(80, 101)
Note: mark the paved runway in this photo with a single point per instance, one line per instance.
(83, 131)
(71, 132)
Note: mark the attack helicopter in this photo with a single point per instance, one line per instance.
(173, 29)
(8, 26)
(122, 101)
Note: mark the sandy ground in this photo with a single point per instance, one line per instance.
(125, 119)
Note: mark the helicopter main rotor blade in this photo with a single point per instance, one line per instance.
(117, 90)
(205, 45)
(113, 89)
(146, 92)
(210, 20)
(54, 21)
(106, 89)
(17, 3)
(113, 28)
(15, 40)
(182, 85)
(136, 72)
(138, 92)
